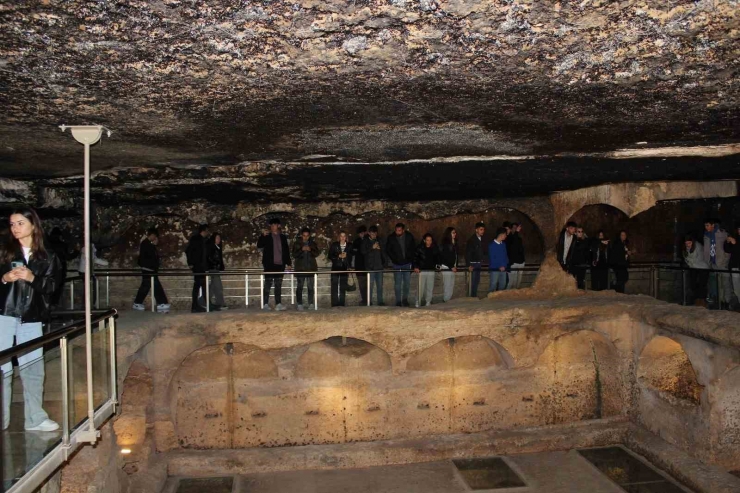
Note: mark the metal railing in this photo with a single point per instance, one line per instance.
(55, 361)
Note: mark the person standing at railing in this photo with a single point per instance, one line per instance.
(715, 255)
(196, 257)
(498, 260)
(373, 248)
(359, 263)
(565, 243)
(581, 257)
(426, 262)
(515, 251)
(215, 258)
(400, 248)
(600, 262)
(732, 246)
(448, 262)
(475, 253)
(275, 258)
(59, 246)
(620, 260)
(30, 274)
(340, 254)
(693, 256)
(149, 263)
(305, 252)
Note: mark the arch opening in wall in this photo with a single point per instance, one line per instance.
(664, 366)
(604, 217)
(461, 353)
(336, 356)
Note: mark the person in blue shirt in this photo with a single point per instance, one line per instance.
(498, 260)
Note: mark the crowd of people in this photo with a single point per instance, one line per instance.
(369, 251)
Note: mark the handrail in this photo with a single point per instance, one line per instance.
(66, 331)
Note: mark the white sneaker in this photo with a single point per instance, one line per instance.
(224, 307)
(429, 303)
(280, 307)
(139, 307)
(311, 306)
(45, 425)
(299, 308)
(163, 308)
(266, 307)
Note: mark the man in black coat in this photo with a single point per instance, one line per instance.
(149, 263)
(400, 248)
(580, 259)
(196, 254)
(515, 252)
(275, 258)
(475, 254)
(565, 243)
(359, 260)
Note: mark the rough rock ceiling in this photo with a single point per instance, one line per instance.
(302, 85)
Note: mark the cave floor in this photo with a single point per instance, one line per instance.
(547, 472)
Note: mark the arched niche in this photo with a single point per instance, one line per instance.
(209, 387)
(338, 357)
(664, 366)
(582, 378)
(468, 353)
(604, 217)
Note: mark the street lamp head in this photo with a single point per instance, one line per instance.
(86, 134)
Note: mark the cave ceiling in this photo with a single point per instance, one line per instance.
(376, 99)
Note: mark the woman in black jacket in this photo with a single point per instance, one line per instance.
(340, 254)
(30, 274)
(215, 259)
(426, 262)
(448, 262)
(600, 262)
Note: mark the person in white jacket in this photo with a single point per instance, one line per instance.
(693, 256)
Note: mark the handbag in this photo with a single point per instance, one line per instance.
(351, 285)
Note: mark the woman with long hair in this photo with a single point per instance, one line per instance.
(30, 274)
(448, 262)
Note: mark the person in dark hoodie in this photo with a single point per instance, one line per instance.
(340, 254)
(400, 248)
(515, 251)
(196, 257)
(475, 254)
(215, 257)
(426, 262)
(600, 262)
(305, 252)
(373, 249)
(448, 259)
(275, 258)
(149, 263)
(620, 261)
(581, 258)
(359, 263)
(732, 247)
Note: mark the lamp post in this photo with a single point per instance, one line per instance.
(88, 135)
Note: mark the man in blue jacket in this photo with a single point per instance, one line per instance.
(498, 260)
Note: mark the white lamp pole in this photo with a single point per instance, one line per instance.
(88, 135)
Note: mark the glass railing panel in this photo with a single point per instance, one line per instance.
(77, 373)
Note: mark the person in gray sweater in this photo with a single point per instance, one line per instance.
(720, 284)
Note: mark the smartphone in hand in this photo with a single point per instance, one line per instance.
(16, 263)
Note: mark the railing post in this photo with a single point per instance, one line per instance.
(107, 291)
(208, 293)
(72, 295)
(151, 290)
(316, 291)
(97, 291)
(262, 291)
(656, 281)
(292, 292)
(418, 290)
(367, 292)
(683, 285)
(113, 361)
(469, 278)
(64, 362)
(246, 290)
